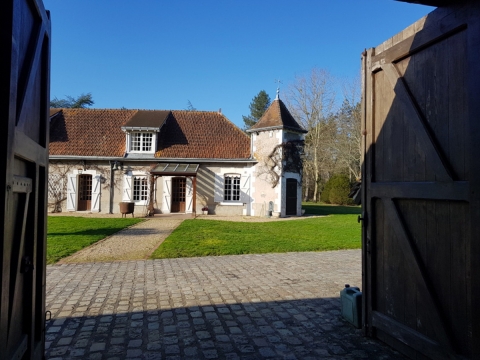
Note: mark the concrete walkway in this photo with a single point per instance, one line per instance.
(275, 306)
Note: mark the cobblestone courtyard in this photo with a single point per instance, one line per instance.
(279, 306)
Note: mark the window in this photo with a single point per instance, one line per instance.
(231, 187)
(141, 142)
(140, 188)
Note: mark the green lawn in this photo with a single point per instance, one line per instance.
(68, 234)
(338, 230)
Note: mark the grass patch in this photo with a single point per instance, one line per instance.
(68, 234)
(339, 230)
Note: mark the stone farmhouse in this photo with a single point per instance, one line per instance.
(174, 161)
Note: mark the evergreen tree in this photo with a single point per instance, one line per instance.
(258, 106)
(70, 102)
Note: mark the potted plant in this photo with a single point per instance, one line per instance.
(205, 210)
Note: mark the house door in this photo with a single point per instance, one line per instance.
(291, 197)
(84, 192)
(24, 110)
(178, 194)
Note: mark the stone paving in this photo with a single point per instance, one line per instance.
(271, 306)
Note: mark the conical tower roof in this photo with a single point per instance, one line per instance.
(277, 116)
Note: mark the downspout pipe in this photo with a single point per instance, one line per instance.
(112, 179)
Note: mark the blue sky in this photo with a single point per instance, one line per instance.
(160, 54)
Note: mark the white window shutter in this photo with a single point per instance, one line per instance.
(219, 188)
(72, 192)
(167, 194)
(96, 189)
(127, 187)
(189, 195)
(245, 189)
(127, 142)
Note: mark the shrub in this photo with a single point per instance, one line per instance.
(336, 190)
(325, 195)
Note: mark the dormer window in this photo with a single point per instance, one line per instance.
(142, 131)
(141, 142)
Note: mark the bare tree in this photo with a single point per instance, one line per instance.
(348, 143)
(311, 100)
(80, 102)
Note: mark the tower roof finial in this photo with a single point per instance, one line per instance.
(278, 89)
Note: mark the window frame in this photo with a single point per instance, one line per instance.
(233, 186)
(142, 191)
(138, 139)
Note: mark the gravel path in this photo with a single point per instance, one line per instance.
(134, 243)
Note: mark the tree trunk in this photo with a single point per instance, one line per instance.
(306, 187)
(316, 173)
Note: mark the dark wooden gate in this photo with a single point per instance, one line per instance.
(24, 108)
(291, 197)
(421, 175)
(84, 192)
(178, 194)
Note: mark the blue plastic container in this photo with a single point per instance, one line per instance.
(351, 298)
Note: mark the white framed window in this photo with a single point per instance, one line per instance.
(231, 189)
(141, 142)
(140, 188)
(136, 187)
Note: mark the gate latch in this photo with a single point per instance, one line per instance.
(363, 218)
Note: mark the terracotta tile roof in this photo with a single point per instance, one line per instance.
(89, 132)
(277, 116)
(186, 134)
(203, 135)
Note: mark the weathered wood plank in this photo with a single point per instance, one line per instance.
(458, 305)
(454, 190)
(473, 135)
(28, 149)
(367, 164)
(424, 37)
(32, 68)
(457, 105)
(409, 336)
(426, 139)
(378, 259)
(436, 317)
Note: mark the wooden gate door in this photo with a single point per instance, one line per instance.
(416, 230)
(84, 192)
(291, 197)
(178, 194)
(24, 108)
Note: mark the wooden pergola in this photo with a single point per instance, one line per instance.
(173, 169)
